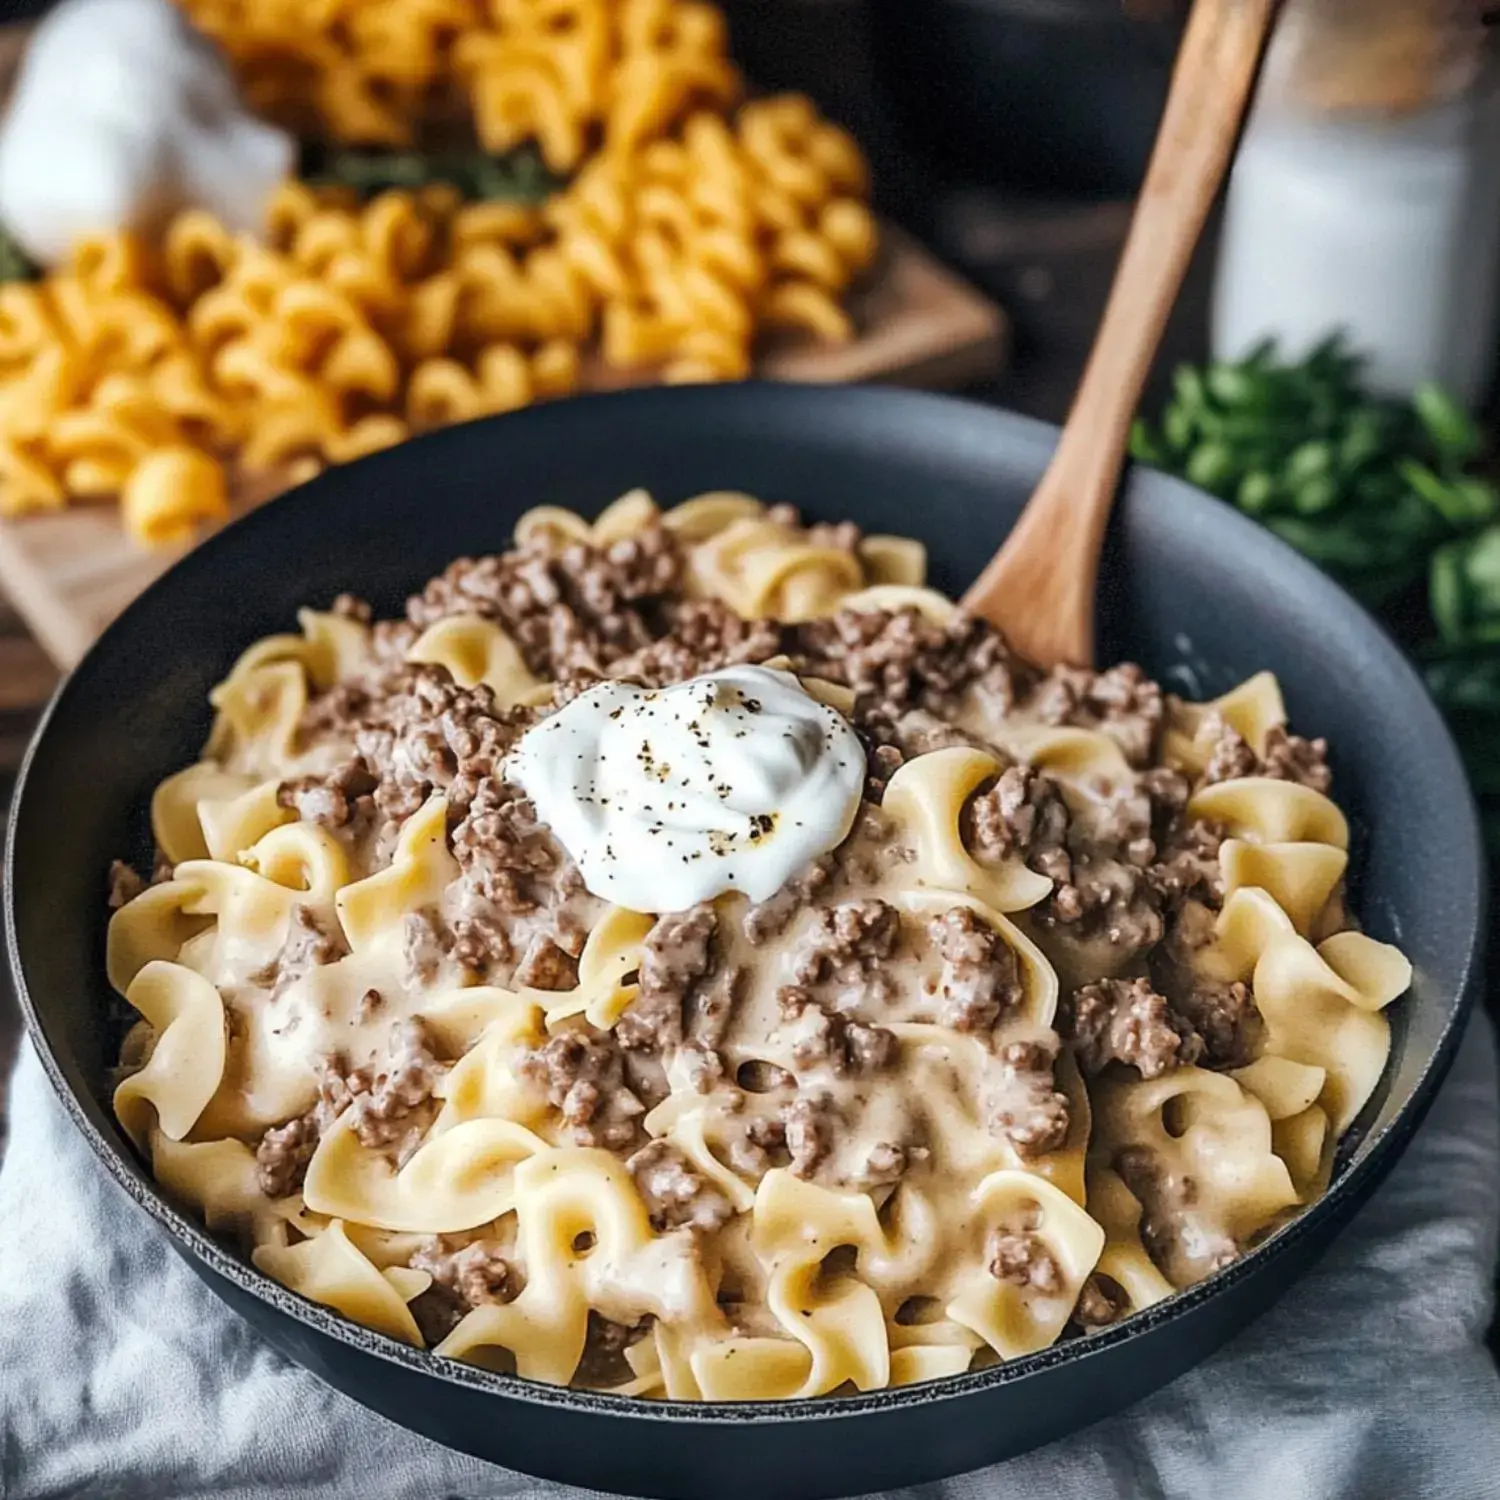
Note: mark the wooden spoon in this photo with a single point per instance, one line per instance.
(1039, 587)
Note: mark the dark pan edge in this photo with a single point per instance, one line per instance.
(1378, 1152)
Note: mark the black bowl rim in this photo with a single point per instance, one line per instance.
(1379, 1149)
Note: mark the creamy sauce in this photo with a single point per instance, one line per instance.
(667, 797)
(123, 115)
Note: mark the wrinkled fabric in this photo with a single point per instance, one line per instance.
(122, 1375)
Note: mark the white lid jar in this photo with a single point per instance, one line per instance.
(1384, 223)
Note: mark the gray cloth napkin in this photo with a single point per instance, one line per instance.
(121, 1374)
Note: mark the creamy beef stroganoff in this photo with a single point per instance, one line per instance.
(685, 956)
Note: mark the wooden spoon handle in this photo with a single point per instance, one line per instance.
(1039, 588)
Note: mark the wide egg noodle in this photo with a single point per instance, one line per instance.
(456, 1180)
(329, 1269)
(371, 911)
(586, 1242)
(1205, 1128)
(155, 925)
(476, 650)
(606, 972)
(187, 1061)
(1123, 1260)
(233, 824)
(176, 824)
(926, 798)
(1251, 709)
(1015, 1320)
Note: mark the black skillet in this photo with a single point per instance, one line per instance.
(1196, 593)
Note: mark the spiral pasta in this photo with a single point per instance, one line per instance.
(162, 373)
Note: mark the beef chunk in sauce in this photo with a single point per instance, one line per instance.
(572, 612)
(824, 1037)
(1224, 1018)
(1023, 1102)
(981, 977)
(546, 965)
(768, 919)
(282, 1156)
(309, 943)
(384, 1111)
(1101, 1301)
(1172, 1230)
(1022, 815)
(1122, 701)
(675, 955)
(1024, 1259)
(900, 660)
(807, 1123)
(345, 795)
(675, 1193)
(475, 1272)
(1126, 1021)
(702, 635)
(583, 1076)
(1187, 868)
(844, 942)
(390, 1105)
(1288, 757)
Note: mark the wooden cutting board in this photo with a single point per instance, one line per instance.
(70, 573)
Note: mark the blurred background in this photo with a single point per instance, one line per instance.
(1330, 369)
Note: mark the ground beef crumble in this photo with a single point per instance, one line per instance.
(675, 955)
(1288, 757)
(1188, 869)
(768, 919)
(831, 1038)
(844, 942)
(757, 1144)
(1167, 1200)
(1023, 1103)
(895, 661)
(702, 635)
(384, 1110)
(807, 1126)
(309, 943)
(1122, 701)
(343, 797)
(1224, 1018)
(475, 1272)
(283, 1153)
(1024, 1260)
(1021, 815)
(391, 1104)
(583, 1076)
(675, 1193)
(981, 977)
(573, 612)
(1101, 1301)
(1125, 1021)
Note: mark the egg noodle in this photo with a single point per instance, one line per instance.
(831, 1142)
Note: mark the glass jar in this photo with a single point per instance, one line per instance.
(1366, 195)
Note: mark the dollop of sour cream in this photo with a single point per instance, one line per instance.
(670, 796)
